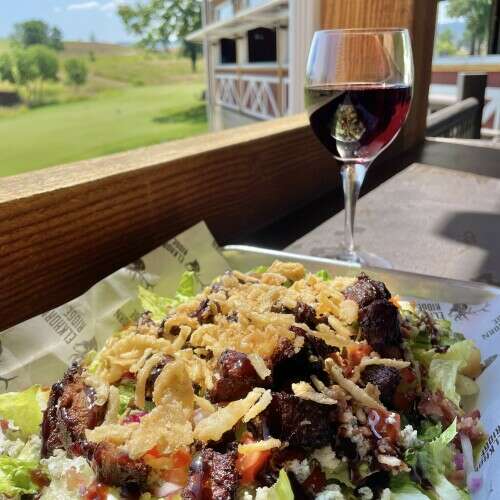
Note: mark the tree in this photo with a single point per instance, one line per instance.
(76, 71)
(446, 45)
(162, 22)
(36, 32)
(56, 39)
(29, 69)
(477, 18)
(33, 32)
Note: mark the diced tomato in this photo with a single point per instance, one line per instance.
(356, 352)
(155, 452)
(177, 476)
(4, 424)
(96, 491)
(250, 464)
(388, 424)
(181, 458)
(316, 481)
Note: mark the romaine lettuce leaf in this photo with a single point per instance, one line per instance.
(23, 409)
(403, 488)
(324, 275)
(282, 489)
(443, 376)
(126, 393)
(159, 306)
(259, 269)
(15, 477)
(447, 490)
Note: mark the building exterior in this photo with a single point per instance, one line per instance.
(255, 53)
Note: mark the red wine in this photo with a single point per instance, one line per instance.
(357, 122)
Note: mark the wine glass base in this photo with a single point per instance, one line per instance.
(357, 257)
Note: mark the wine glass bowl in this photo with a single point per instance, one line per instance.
(358, 94)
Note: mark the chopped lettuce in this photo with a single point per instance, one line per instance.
(447, 490)
(404, 488)
(434, 458)
(443, 377)
(15, 477)
(259, 269)
(282, 489)
(126, 393)
(158, 306)
(23, 408)
(324, 275)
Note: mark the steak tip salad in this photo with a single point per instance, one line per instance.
(273, 384)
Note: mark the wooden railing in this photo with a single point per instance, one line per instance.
(457, 120)
(462, 119)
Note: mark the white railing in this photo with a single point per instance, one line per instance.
(260, 96)
(227, 92)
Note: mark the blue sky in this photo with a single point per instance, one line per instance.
(78, 19)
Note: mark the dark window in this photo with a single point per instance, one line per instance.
(262, 45)
(227, 51)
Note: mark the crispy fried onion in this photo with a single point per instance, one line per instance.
(259, 366)
(265, 445)
(366, 361)
(359, 394)
(100, 387)
(165, 428)
(303, 390)
(331, 338)
(174, 382)
(112, 433)
(212, 428)
(142, 378)
(121, 353)
(113, 406)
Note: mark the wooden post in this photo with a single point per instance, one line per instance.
(473, 85)
(419, 16)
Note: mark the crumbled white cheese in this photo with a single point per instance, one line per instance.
(391, 419)
(301, 469)
(327, 458)
(331, 492)
(247, 496)
(61, 487)
(409, 437)
(366, 493)
(386, 494)
(362, 444)
(10, 447)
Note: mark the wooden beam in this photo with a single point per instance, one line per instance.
(419, 16)
(64, 228)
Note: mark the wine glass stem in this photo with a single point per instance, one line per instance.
(353, 175)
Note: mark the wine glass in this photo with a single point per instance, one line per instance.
(358, 93)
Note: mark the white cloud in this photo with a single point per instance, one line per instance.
(112, 5)
(57, 10)
(84, 6)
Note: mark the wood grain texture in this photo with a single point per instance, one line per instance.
(419, 16)
(64, 228)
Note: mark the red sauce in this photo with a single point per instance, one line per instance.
(97, 491)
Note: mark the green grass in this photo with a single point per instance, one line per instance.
(132, 98)
(113, 121)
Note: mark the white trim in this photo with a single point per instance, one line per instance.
(251, 66)
(260, 78)
(265, 14)
(304, 21)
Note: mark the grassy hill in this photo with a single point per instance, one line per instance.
(132, 98)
